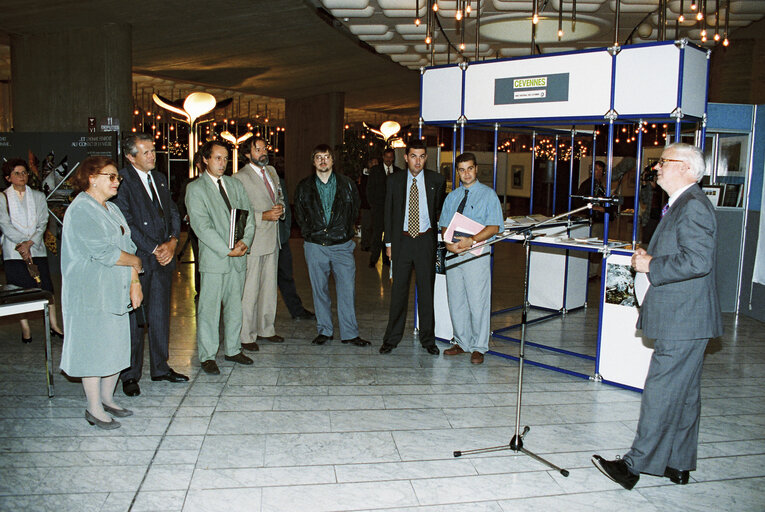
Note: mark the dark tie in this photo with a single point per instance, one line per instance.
(223, 194)
(414, 210)
(461, 207)
(664, 209)
(154, 198)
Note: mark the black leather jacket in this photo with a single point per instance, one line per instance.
(310, 217)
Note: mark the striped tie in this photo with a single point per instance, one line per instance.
(664, 209)
(414, 210)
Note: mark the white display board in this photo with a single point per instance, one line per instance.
(648, 80)
(441, 94)
(624, 354)
(441, 305)
(551, 269)
(695, 77)
(555, 86)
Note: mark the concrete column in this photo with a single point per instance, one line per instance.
(60, 79)
(309, 122)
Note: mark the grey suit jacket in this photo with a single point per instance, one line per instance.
(266, 238)
(682, 302)
(210, 219)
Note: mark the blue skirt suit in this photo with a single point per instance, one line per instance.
(95, 293)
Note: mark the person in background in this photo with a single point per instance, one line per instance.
(376, 187)
(23, 219)
(99, 286)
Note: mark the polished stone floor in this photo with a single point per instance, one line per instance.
(338, 428)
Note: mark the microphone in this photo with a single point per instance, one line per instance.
(616, 200)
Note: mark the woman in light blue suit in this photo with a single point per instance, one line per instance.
(99, 271)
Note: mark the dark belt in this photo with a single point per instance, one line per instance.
(406, 233)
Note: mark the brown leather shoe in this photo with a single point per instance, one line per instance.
(454, 350)
(238, 358)
(273, 339)
(252, 347)
(476, 357)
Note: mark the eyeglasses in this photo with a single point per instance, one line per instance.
(19, 173)
(663, 161)
(112, 176)
(321, 158)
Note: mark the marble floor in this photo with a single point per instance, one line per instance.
(339, 428)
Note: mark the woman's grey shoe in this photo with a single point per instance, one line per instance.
(106, 425)
(120, 413)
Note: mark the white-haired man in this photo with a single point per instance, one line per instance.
(681, 312)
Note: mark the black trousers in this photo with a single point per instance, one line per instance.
(286, 282)
(156, 305)
(416, 254)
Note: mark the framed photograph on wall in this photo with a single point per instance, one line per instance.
(516, 172)
(713, 193)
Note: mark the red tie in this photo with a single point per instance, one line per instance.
(268, 185)
(664, 209)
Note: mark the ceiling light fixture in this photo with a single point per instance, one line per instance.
(227, 135)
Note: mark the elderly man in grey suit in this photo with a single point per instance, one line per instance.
(259, 300)
(681, 311)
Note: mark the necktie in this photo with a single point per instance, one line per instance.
(268, 185)
(414, 210)
(664, 209)
(223, 193)
(461, 207)
(154, 198)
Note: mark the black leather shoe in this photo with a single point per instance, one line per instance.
(432, 349)
(171, 376)
(210, 367)
(676, 476)
(130, 387)
(54, 334)
(386, 349)
(305, 315)
(617, 470)
(239, 358)
(252, 346)
(358, 342)
(26, 340)
(321, 339)
(273, 339)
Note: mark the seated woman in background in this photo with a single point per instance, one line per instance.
(23, 219)
(99, 285)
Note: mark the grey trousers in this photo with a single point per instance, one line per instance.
(668, 429)
(468, 286)
(337, 259)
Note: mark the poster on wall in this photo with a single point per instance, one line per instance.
(624, 353)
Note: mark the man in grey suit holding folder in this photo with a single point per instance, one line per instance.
(681, 311)
(209, 200)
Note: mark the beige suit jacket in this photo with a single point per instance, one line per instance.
(266, 239)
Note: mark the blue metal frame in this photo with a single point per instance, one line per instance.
(536, 124)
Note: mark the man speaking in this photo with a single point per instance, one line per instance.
(681, 311)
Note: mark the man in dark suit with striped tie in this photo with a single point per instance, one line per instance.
(413, 201)
(144, 199)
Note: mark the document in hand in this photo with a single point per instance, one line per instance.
(463, 226)
(236, 227)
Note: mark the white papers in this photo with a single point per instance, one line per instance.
(641, 286)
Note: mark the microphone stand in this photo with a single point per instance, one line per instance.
(516, 443)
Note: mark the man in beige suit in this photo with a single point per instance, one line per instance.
(259, 299)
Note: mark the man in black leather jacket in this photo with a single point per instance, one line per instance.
(326, 208)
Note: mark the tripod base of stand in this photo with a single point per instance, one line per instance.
(516, 445)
